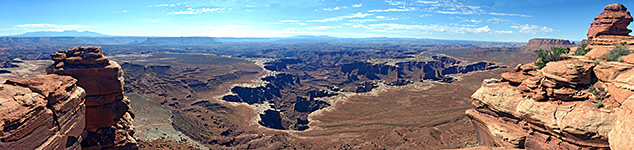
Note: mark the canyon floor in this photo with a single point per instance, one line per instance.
(185, 106)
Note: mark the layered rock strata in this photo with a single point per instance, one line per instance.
(538, 43)
(579, 102)
(109, 117)
(610, 26)
(46, 112)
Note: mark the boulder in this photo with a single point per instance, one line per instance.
(570, 71)
(622, 134)
(613, 21)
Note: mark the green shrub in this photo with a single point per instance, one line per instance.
(582, 50)
(599, 104)
(597, 61)
(616, 54)
(545, 56)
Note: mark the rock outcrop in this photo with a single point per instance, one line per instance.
(613, 21)
(109, 118)
(610, 27)
(579, 102)
(538, 43)
(46, 112)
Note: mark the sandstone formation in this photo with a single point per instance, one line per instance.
(538, 43)
(109, 118)
(613, 21)
(579, 102)
(46, 112)
(610, 26)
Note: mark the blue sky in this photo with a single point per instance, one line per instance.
(484, 20)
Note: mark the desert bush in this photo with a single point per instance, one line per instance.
(599, 104)
(582, 49)
(545, 56)
(616, 54)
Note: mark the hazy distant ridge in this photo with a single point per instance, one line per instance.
(67, 33)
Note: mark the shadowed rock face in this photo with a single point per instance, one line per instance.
(109, 121)
(46, 112)
(576, 103)
(613, 21)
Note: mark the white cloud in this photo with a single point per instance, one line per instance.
(339, 18)
(472, 21)
(363, 20)
(454, 7)
(124, 11)
(505, 14)
(301, 23)
(167, 5)
(428, 28)
(394, 3)
(427, 2)
(532, 29)
(332, 9)
(342, 7)
(192, 11)
(51, 27)
(394, 9)
(503, 32)
(322, 27)
(497, 20)
(424, 15)
(153, 21)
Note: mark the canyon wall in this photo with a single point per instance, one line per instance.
(46, 112)
(109, 117)
(546, 44)
(579, 102)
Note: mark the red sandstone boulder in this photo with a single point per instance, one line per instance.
(613, 21)
(571, 71)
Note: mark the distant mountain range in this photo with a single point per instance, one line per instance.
(66, 33)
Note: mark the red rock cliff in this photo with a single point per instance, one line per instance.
(537, 43)
(46, 112)
(579, 102)
(109, 118)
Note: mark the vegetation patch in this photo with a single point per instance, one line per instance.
(545, 56)
(582, 50)
(616, 54)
